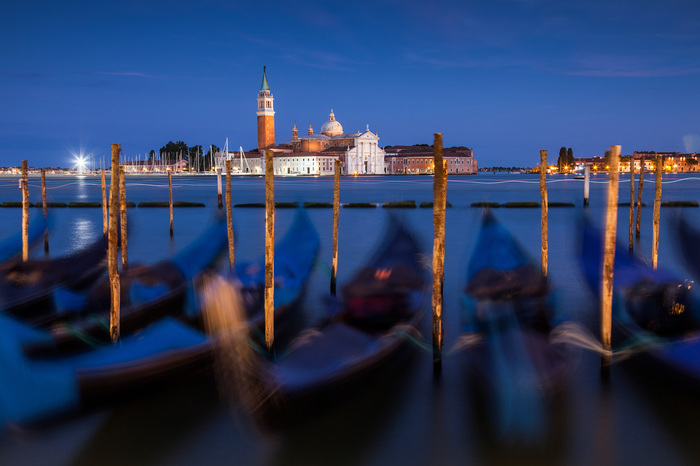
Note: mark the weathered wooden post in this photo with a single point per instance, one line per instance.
(269, 250)
(631, 235)
(220, 203)
(545, 211)
(336, 215)
(586, 184)
(25, 211)
(44, 209)
(170, 201)
(105, 220)
(229, 216)
(122, 209)
(609, 258)
(439, 204)
(639, 196)
(657, 212)
(112, 252)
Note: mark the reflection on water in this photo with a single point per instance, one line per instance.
(83, 232)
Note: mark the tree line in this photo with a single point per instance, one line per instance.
(566, 159)
(197, 158)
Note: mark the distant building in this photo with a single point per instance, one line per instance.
(316, 153)
(266, 116)
(414, 160)
(154, 166)
(672, 161)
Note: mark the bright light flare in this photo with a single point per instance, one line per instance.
(80, 162)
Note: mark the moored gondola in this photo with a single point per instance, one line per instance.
(365, 336)
(655, 312)
(28, 289)
(164, 351)
(516, 375)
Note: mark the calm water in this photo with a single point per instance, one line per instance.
(411, 419)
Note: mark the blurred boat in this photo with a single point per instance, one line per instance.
(508, 313)
(11, 246)
(653, 310)
(80, 319)
(365, 335)
(27, 288)
(161, 353)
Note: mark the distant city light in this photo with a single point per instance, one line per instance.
(80, 162)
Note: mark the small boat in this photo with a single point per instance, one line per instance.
(364, 336)
(12, 246)
(79, 319)
(509, 312)
(165, 351)
(653, 310)
(295, 255)
(27, 288)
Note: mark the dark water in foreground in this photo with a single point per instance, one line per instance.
(411, 418)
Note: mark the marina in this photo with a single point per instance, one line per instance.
(409, 417)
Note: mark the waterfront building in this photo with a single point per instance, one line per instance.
(154, 166)
(673, 162)
(316, 153)
(417, 160)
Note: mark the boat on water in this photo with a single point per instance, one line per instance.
(28, 288)
(164, 351)
(363, 337)
(515, 373)
(654, 310)
(78, 320)
(11, 246)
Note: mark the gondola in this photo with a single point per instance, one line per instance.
(28, 288)
(514, 372)
(687, 245)
(364, 336)
(80, 320)
(653, 310)
(162, 352)
(11, 246)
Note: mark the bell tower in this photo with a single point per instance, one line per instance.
(266, 116)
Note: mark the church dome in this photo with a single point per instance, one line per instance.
(332, 127)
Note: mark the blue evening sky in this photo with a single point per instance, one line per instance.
(505, 77)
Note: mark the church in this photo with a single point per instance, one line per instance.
(310, 154)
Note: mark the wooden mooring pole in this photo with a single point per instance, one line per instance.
(657, 212)
(609, 259)
(112, 252)
(122, 209)
(105, 219)
(229, 216)
(545, 211)
(25, 211)
(586, 184)
(269, 250)
(44, 210)
(170, 201)
(336, 215)
(439, 204)
(219, 203)
(631, 235)
(639, 197)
